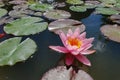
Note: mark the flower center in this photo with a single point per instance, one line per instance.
(74, 42)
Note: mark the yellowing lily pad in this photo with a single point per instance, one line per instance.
(25, 26)
(112, 32)
(13, 50)
(65, 24)
(57, 14)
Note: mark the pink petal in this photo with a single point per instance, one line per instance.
(87, 41)
(86, 47)
(82, 36)
(76, 32)
(69, 34)
(69, 59)
(88, 52)
(62, 37)
(59, 49)
(83, 59)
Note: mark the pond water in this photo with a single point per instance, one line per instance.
(105, 62)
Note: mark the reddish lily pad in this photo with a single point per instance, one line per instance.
(57, 14)
(18, 2)
(115, 18)
(112, 32)
(65, 24)
(62, 73)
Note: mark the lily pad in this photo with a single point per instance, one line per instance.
(65, 24)
(18, 2)
(12, 51)
(62, 73)
(107, 11)
(78, 8)
(2, 12)
(112, 32)
(25, 26)
(1, 4)
(41, 7)
(74, 2)
(20, 13)
(115, 18)
(57, 14)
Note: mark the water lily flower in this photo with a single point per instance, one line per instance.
(76, 45)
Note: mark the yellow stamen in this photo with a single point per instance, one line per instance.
(74, 42)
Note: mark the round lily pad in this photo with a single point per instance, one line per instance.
(62, 73)
(57, 14)
(41, 7)
(78, 8)
(18, 2)
(1, 4)
(13, 50)
(115, 18)
(74, 2)
(112, 32)
(2, 12)
(65, 24)
(25, 26)
(107, 11)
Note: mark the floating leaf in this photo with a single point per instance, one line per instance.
(1, 4)
(58, 4)
(18, 2)
(107, 11)
(12, 51)
(115, 18)
(78, 8)
(2, 12)
(61, 73)
(74, 2)
(20, 13)
(38, 14)
(25, 26)
(65, 24)
(112, 32)
(57, 14)
(41, 7)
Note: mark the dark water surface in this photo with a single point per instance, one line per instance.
(105, 62)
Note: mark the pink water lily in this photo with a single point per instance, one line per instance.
(76, 45)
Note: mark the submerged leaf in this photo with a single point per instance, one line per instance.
(2, 12)
(65, 24)
(57, 14)
(112, 32)
(12, 51)
(41, 7)
(25, 26)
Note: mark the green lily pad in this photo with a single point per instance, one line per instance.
(74, 2)
(2, 12)
(41, 7)
(12, 51)
(25, 26)
(107, 11)
(112, 32)
(78, 8)
(65, 24)
(57, 14)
